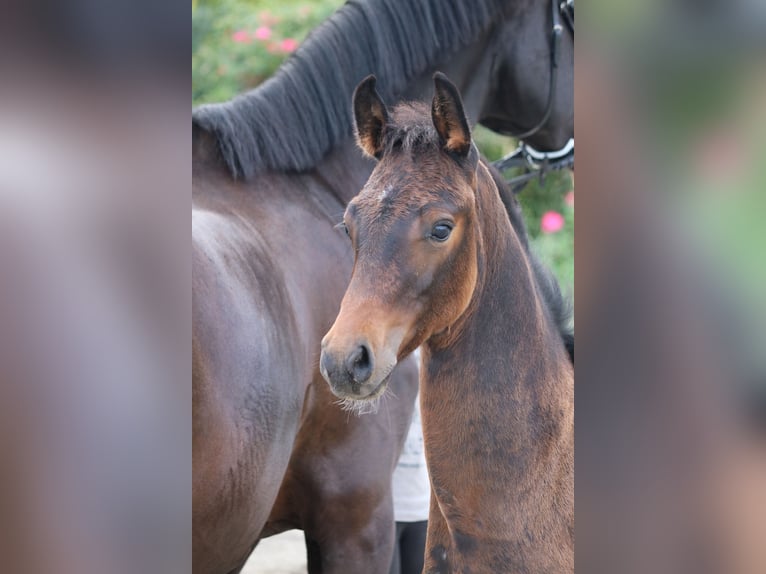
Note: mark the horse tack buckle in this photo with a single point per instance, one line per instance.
(566, 9)
(535, 163)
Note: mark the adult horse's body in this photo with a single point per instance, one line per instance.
(271, 450)
(439, 264)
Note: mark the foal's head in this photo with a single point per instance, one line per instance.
(415, 236)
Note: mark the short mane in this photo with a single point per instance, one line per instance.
(559, 306)
(293, 119)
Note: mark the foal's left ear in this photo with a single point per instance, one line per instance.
(449, 118)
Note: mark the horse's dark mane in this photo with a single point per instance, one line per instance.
(291, 121)
(559, 306)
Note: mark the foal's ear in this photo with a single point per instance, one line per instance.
(448, 116)
(370, 116)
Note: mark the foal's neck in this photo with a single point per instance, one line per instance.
(498, 422)
(498, 389)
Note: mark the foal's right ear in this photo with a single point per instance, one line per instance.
(370, 116)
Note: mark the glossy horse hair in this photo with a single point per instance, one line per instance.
(297, 116)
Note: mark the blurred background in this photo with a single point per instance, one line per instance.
(237, 44)
(671, 290)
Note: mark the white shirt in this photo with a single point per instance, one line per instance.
(411, 487)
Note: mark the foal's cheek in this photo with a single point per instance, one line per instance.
(462, 281)
(430, 265)
(421, 282)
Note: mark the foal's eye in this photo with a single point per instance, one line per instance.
(342, 225)
(441, 231)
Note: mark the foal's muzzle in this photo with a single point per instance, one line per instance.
(348, 370)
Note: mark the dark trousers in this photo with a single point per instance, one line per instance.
(409, 548)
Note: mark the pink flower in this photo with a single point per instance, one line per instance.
(288, 45)
(551, 222)
(241, 37)
(262, 33)
(569, 198)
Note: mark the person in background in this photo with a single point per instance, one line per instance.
(412, 494)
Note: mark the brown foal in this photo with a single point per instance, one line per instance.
(438, 264)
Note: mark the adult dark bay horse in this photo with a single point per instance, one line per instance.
(272, 173)
(438, 263)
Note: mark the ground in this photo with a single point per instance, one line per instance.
(281, 554)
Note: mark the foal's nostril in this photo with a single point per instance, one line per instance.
(327, 365)
(359, 364)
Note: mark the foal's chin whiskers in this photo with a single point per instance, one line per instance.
(389, 392)
(359, 408)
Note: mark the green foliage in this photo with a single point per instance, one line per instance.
(237, 44)
(556, 249)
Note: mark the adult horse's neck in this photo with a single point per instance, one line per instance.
(497, 403)
(297, 117)
(469, 69)
(230, 126)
